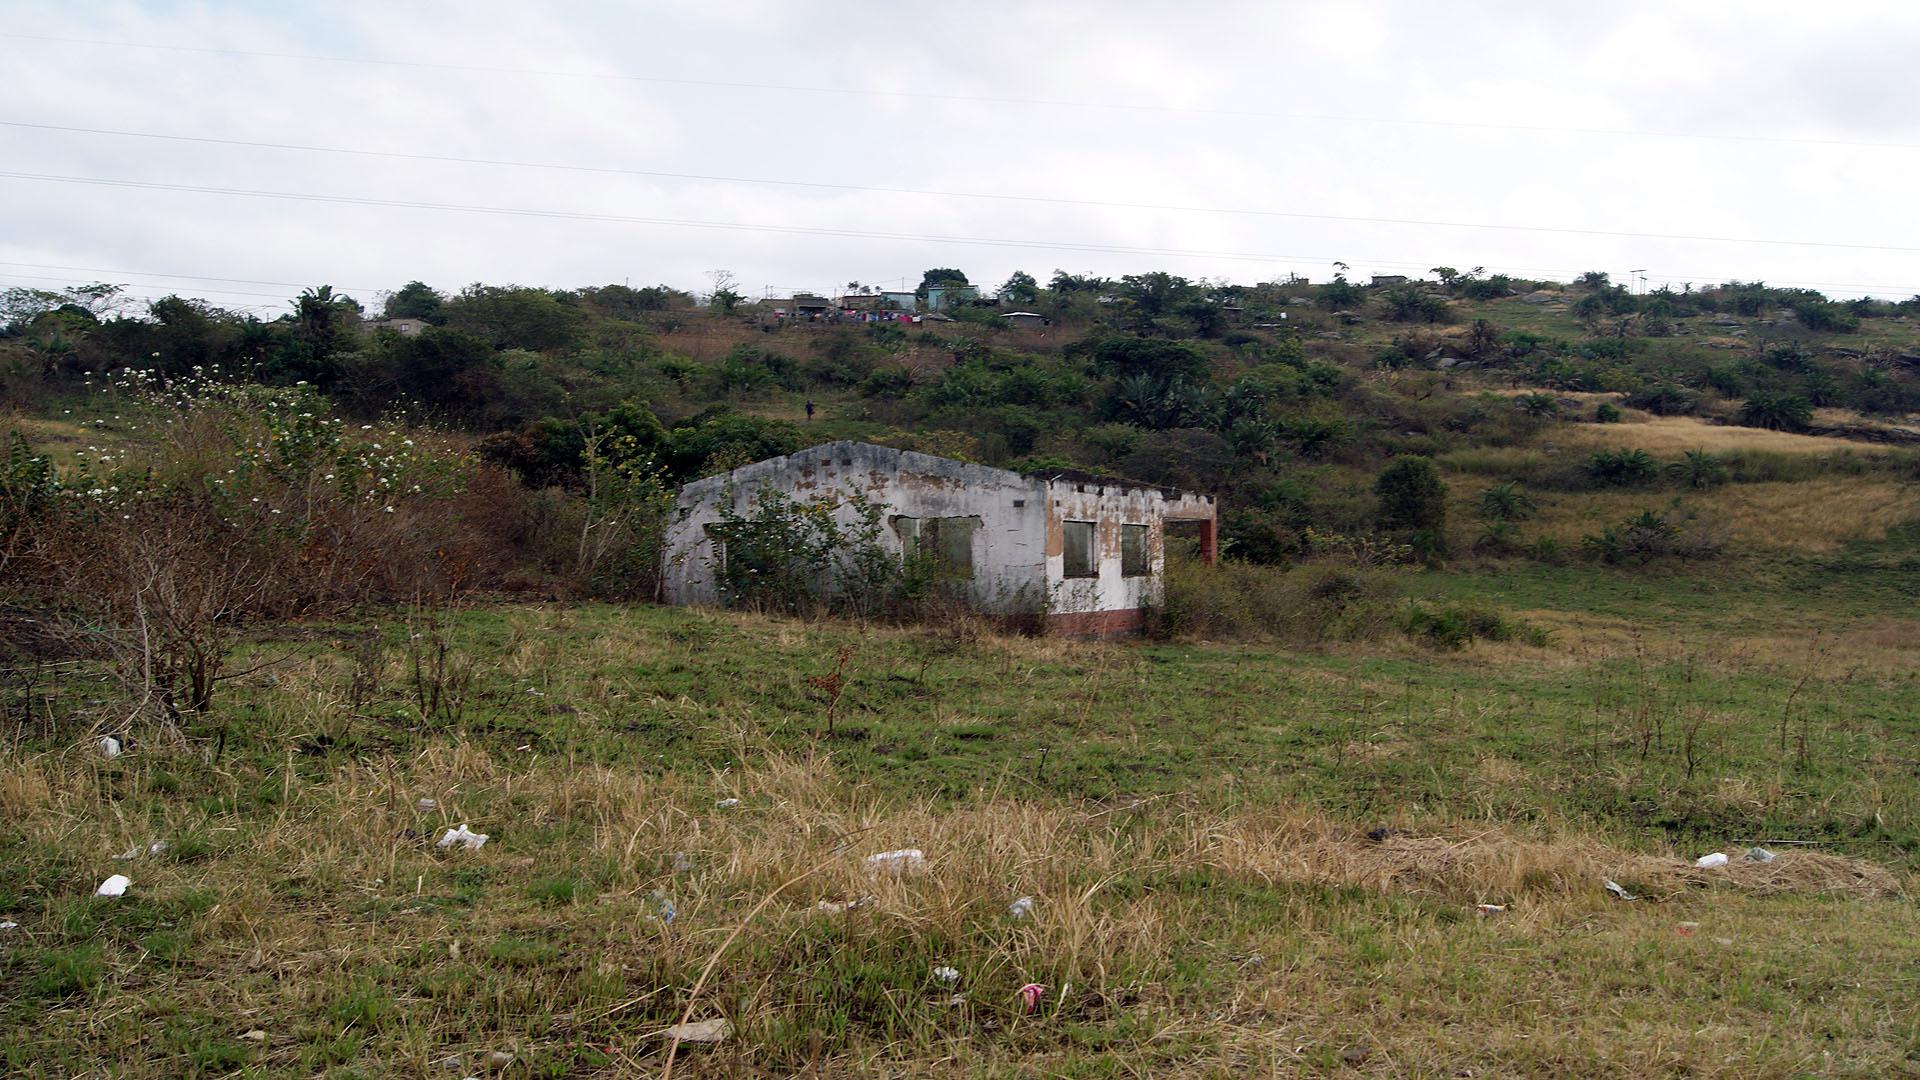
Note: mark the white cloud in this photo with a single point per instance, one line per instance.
(1196, 105)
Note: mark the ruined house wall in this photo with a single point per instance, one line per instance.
(1009, 548)
(1018, 552)
(1110, 602)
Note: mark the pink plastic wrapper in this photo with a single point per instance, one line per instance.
(1030, 996)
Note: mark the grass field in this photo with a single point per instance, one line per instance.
(1191, 821)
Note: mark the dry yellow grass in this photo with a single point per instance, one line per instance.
(1670, 436)
(1819, 515)
(1311, 942)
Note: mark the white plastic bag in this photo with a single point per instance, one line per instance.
(109, 747)
(114, 886)
(701, 1031)
(1708, 862)
(1021, 908)
(904, 861)
(464, 837)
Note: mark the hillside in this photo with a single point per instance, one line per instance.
(1528, 588)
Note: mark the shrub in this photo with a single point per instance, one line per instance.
(1651, 536)
(805, 556)
(1413, 502)
(1621, 468)
(1538, 404)
(1455, 626)
(1505, 502)
(1664, 399)
(1698, 469)
(1303, 605)
(1606, 413)
(236, 502)
(1777, 411)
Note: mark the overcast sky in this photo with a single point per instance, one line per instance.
(1242, 141)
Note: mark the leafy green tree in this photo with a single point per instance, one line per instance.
(1340, 294)
(1131, 354)
(939, 275)
(323, 317)
(720, 440)
(1065, 284)
(1413, 504)
(625, 302)
(1020, 288)
(414, 300)
(517, 317)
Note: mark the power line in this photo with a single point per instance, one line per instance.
(924, 192)
(183, 277)
(975, 99)
(986, 241)
(145, 285)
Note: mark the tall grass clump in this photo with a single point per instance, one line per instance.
(1308, 604)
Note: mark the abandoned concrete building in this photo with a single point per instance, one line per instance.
(1086, 550)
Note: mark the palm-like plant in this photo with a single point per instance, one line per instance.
(1506, 502)
(1699, 469)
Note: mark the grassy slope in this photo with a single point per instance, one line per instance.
(1178, 811)
(1190, 818)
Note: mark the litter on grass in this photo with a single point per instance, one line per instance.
(665, 904)
(464, 837)
(682, 862)
(114, 886)
(726, 804)
(1708, 862)
(1021, 908)
(1030, 996)
(701, 1031)
(946, 974)
(835, 907)
(426, 806)
(1759, 854)
(1487, 910)
(109, 747)
(1614, 888)
(158, 847)
(904, 861)
(9, 925)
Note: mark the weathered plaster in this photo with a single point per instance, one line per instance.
(1017, 551)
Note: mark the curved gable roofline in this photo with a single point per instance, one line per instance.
(892, 458)
(915, 461)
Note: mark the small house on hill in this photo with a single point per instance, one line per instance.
(405, 327)
(1087, 550)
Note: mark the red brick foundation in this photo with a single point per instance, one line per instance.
(1095, 624)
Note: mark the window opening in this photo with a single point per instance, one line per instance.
(1077, 550)
(1134, 560)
